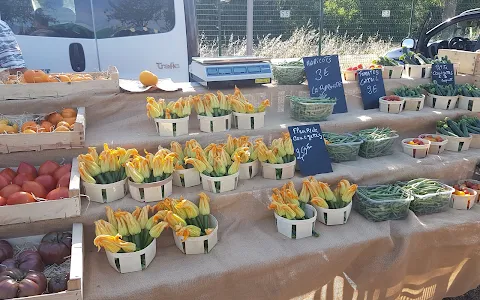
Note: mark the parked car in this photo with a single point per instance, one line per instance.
(461, 32)
(85, 35)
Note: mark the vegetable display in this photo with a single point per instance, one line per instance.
(240, 104)
(151, 167)
(468, 90)
(173, 110)
(376, 141)
(126, 232)
(17, 283)
(467, 184)
(305, 109)
(409, 57)
(280, 150)
(392, 98)
(27, 185)
(440, 90)
(38, 76)
(416, 142)
(289, 73)
(106, 167)
(385, 61)
(26, 261)
(211, 105)
(430, 196)
(214, 161)
(319, 193)
(55, 247)
(451, 128)
(441, 60)
(241, 147)
(469, 124)
(411, 92)
(52, 122)
(382, 202)
(432, 138)
(342, 147)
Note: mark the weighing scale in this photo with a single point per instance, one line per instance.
(221, 72)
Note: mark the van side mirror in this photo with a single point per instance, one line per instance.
(409, 43)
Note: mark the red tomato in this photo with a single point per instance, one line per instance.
(34, 188)
(58, 193)
(20, 198)
(3, 201)
(48, 182)
(3, 182)
(9, 174)
(62, 171)
(64, 181)
(10, 189)
(48, 168)
(25, 168)
(22, 177)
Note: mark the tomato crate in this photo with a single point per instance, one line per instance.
(18, 142)
(48, 209)
(25, 91)
(75, 280)
(469, 62)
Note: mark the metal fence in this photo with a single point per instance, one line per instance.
(390, 20)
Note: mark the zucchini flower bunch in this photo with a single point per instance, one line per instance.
(106, 167)
(185, 217)
(214, 161)
(173, 110)
(287, 203)
(128, 232)
(152, 167)
(319, 193)
(241, 147)
(280, 151)
(241, 105)
(192, 149)
(211, 105)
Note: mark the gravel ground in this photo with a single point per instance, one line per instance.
(471, 295)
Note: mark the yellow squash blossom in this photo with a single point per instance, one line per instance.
(347, 196)
(196, 163)
(122, 226)
(265, 103)
(329, 196)
(320, 202)
(132, 172)
(157, 229)
(174, 220)
(84, 173)
(299, 213)
(189, 207)
(304, 193)
(93, 153)
(203, 204)
(113, 243)
(111, 216)
(132, 224)
(102, 227)
(189, 231)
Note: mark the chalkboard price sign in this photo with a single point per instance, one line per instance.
(325, 80)
(310, 150)
(443, 74)
(371, 87)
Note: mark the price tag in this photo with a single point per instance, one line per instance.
(443, 74)
(371, 87)
(325, 80)
(310, 150)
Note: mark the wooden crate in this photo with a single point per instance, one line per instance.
(75, 283)
(46, 140)
(469, 62)
(46, 210)
(58, 89)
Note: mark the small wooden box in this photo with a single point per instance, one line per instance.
(57, 89)
(46, 210)
(46, 140)
(75, 283)
(469, 62)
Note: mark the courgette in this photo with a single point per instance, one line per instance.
(454, 127)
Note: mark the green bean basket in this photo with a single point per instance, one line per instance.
(306, 109)
(342, 147)
(429, 196)
(376, 142)
(289, 73)
(382, 202)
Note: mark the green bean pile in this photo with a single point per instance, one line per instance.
(376, 142)
(305, 109)
(429, 196)
(382, 202)
(342, 147)
(289, 73)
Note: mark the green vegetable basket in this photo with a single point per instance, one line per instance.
(305, 109)
(376, 142)
(342, 147)
(387, 205)
(431, 203)
(289, 74)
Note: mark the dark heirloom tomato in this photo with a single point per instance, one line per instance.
(55, 247)
(16, 283)
(58, 283)
(6, 250)
(26, 261)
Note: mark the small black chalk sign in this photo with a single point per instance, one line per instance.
(371, 87)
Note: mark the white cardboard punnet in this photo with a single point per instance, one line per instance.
(219, 184)
(249, 170)
(391, 107)
(457, 144)
(463, 202)
(392, 72)
(249, 121)
(172, 127)
(215, 124)
(469, 103)
(269, 170)
(418, 71)
(303, 228)
(337, 216)
(196, 245)
(105, 193)
(150, 192)
(413, 103)
(132, 262)
(191, 177)
(436, 147)
(442, 102)
(416, 151)
(477, 198)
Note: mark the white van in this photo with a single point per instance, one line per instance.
(90, 35)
